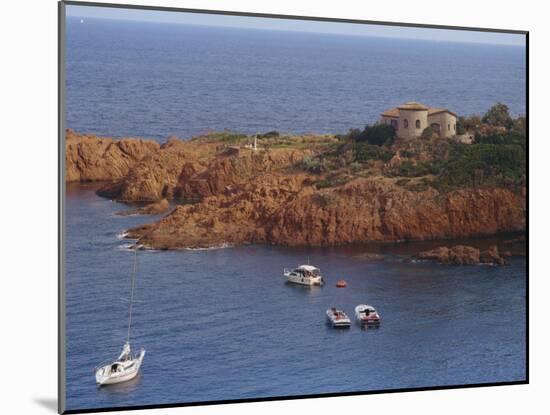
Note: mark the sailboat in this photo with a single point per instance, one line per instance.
(126, 366)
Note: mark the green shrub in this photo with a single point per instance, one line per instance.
(511, 137)
(312, 164)
(227, 136)
(520, 125)
(421, 168)
(483, 164)
(427, 133)
(365, 152)
(378, 134)
(269, 134)
(498, 115)
(467, 123)
(407, 153)
(322, 184)
(460, 126)
(354, 134)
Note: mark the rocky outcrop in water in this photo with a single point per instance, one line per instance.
(493, 256)
(462, 255)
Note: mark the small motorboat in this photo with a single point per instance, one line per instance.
(338, 318)
(124, 368)
(342, 284)
(367, 315)
(304, 275)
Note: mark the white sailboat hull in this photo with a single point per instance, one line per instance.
(128, 371)
(111, 380)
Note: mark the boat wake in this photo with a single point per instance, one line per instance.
(126, 247)
(124, 214)
(129, 247)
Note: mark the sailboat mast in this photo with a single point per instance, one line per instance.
(132, 295)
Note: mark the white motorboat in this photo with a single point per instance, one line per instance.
(127, 365)
(367, 315)
(338, 318)
(304, 275)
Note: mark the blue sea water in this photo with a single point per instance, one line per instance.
(156, 80)
(223, 324)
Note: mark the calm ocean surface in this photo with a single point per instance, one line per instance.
(222, 324)
(157, 80)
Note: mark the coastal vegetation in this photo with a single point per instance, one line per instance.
(225, 136)
(496, 157)
(378, 134)
(484, 165)
(498, 115)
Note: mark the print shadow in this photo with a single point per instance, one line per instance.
(48, 403)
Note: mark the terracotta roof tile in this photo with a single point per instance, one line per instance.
(394, 112)
(433, 111)
(413, 106)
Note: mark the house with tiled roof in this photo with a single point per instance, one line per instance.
(412, 118)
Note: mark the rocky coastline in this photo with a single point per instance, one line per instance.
(235, 194)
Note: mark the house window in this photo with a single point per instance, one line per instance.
(448, 127)
(418, 124)
(393, 123)
(454, 127)
(406, 123)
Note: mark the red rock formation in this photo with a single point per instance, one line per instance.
(492, 256)
(156, 177)
(234, 219)
(287, 210)
(155, 208)
(91, 158)
(246, 196)
(371, 210)
(232, 169)
(194, 170)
